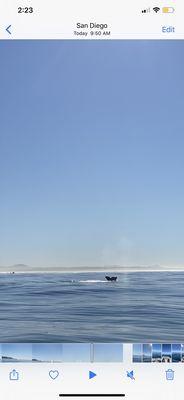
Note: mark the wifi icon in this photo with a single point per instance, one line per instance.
(156, 9)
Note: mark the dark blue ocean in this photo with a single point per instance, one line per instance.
(80, 307)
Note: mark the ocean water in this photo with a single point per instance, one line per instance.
(140, 307)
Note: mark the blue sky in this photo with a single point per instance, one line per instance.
(91, 153)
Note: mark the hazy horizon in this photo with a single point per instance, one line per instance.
(112, 269)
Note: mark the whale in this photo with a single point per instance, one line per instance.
(111, 278)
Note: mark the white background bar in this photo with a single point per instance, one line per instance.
(96, 19)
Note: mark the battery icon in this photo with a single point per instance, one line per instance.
(168, 10)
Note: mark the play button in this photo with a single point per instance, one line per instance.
(91, 374)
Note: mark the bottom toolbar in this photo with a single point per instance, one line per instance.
(46, 381)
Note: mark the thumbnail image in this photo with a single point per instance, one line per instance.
(107, 352)
(46, 352)
(92, 205)
(15, 352)
(176, 352)
(182, 352)
(76, 352)
(137, 353)
(166, 353)
(156, 352)
(147, 352)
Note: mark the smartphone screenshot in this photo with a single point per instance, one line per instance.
(91, 199)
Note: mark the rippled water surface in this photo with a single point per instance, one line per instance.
(84, 307)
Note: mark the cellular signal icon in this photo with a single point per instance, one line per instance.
(156, 9)
(146, 10)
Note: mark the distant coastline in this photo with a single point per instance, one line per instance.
(25, 269)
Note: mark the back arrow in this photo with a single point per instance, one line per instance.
(8, 29)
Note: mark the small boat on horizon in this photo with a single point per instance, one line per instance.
(111, 278)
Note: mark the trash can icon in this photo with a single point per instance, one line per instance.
(14, 375)
(169, 375)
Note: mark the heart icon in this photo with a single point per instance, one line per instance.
(53, 374)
